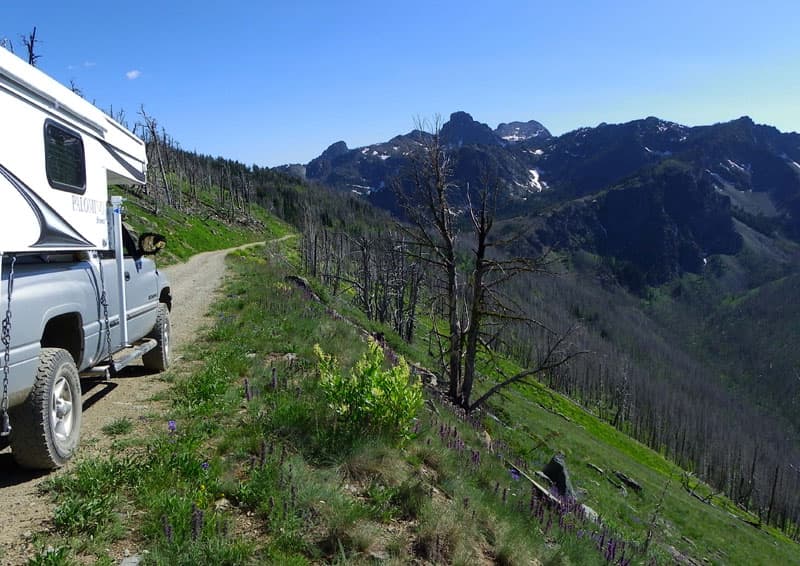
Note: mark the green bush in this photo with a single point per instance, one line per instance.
(371, 398)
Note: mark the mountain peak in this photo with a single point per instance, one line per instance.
(462, 129)
(322, 165)
(521, 131)
(335, 149)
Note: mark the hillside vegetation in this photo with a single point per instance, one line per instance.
(674, 249)
(254, 460)
(247, 462)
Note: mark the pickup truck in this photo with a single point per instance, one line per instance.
(63, 325)
(80, 296)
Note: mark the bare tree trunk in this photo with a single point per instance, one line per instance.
(152, 127)
(30, 41)
(772, 494)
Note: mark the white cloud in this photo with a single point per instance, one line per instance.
(133, 75)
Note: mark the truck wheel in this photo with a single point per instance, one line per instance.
(47, 426)
(158, 358)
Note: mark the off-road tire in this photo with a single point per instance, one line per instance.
(46, 428)
(158, 358)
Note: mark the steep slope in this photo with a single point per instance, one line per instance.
(657, 225)
(680, 247)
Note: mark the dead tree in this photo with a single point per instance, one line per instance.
(151, 127)
(30, 41)
(474, 303)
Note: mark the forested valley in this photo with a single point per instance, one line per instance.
(629, 358)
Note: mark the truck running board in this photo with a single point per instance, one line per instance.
(122, 359)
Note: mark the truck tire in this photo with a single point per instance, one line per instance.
(158, 358)
(46, 427)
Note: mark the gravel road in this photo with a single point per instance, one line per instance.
(130, 395)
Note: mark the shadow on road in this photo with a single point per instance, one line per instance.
(104, 387)
(12, 474)
(93, 389)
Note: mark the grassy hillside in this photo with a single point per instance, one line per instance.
(246, 462)
(190, 233)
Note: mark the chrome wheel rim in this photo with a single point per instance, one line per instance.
(165, 340)
(61, 414)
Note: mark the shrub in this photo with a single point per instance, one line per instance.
(371, 398)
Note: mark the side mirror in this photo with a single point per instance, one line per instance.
(150, 243)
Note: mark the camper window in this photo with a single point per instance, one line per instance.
(64, 160)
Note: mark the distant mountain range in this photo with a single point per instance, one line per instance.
(655, 196)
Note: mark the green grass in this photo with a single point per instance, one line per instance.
(250, 465)
(118, 427)
(189, 234)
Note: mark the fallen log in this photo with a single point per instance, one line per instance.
(552, 499)
(630, 482)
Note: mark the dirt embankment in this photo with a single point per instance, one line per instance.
(130, 395)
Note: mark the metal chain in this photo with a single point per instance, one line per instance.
(104, 303)
(5, 426)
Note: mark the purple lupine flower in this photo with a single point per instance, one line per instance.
(172, 426)
(197, 522)
(611, 550)
(167, 528)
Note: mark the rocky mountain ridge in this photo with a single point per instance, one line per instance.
(656, 196)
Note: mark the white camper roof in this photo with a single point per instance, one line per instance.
(58, 156)
(25, 81)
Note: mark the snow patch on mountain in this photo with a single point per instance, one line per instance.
(362, 190)
(736, 166)
(657, 152)
(535, 182)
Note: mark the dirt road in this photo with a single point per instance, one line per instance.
(130, 395)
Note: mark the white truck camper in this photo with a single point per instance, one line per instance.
(79, 296)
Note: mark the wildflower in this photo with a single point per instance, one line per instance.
(167, 528)
(514, 474)
(172, 426)
(204, 465)
(197, 522)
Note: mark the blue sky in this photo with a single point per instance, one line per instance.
(277, 82)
